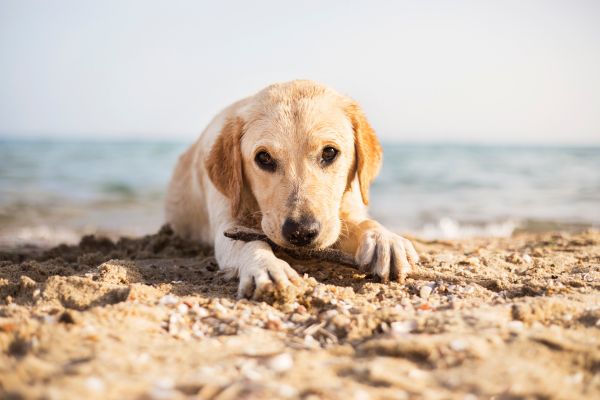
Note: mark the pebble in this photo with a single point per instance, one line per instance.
(459, 345)
(301, 309)
(523, 270)
(385, 328)
(88, 329)
(473, 261)
(248, 370)
(425, 291)
(575, 378)
(515, 326)
(95, 384)
(281, 362)
(164, 383)
(327, 315)
(417, 374)
(361, 395)
(286, 391)
(274, 324)
(220, 311)
(403, 327)
(182, 308)
(201, 312)
(175, 320)
(297, 318)
(340, 322)
(168, 299)
(527, 258)
(311, 342)
(142, 358)
(197, 330)
(162, 394)
(227, 302)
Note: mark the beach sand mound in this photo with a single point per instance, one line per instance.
(154, 318)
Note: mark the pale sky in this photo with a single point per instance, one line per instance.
(468, 71)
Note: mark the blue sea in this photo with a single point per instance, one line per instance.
(55, 191)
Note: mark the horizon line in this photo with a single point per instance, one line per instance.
(183, 140)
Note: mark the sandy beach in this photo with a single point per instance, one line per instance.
(153, 318)
(470, 129)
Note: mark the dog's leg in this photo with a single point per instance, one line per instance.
(259, 270)
(378, 251)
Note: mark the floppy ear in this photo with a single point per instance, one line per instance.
(367, 149)
(224, 163)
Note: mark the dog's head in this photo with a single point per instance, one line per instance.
(290, 155)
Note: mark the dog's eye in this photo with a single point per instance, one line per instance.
(265, 161)
(329, 154)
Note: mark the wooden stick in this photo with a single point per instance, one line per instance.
(328, 255)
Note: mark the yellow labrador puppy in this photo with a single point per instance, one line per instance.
(295, 160)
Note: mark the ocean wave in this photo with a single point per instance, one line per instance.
(40, 236)
(448, 228)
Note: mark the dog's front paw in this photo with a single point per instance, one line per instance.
(385, 255)
(267, 279)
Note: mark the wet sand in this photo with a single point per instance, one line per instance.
(153, 318)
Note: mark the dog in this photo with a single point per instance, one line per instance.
(295, 160)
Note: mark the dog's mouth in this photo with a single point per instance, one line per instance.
(319, 244)
(284, 244)
(306, 247)
(328, 234)
(246, 234)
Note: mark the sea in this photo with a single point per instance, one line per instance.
(55, 191)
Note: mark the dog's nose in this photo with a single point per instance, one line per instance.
(302, 232)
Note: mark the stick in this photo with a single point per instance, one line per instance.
(328, 255)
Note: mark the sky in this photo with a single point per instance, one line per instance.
(424, 71)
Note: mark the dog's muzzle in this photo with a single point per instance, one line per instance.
(300, 232)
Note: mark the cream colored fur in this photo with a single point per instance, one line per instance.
(217, 184)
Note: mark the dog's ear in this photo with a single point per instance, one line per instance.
(224, 163)
(367, 149)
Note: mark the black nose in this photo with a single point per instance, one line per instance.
(302, 232)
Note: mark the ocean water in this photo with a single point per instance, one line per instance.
(54, 191)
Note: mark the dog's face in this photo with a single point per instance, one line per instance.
(300, 147)
(297, 159)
